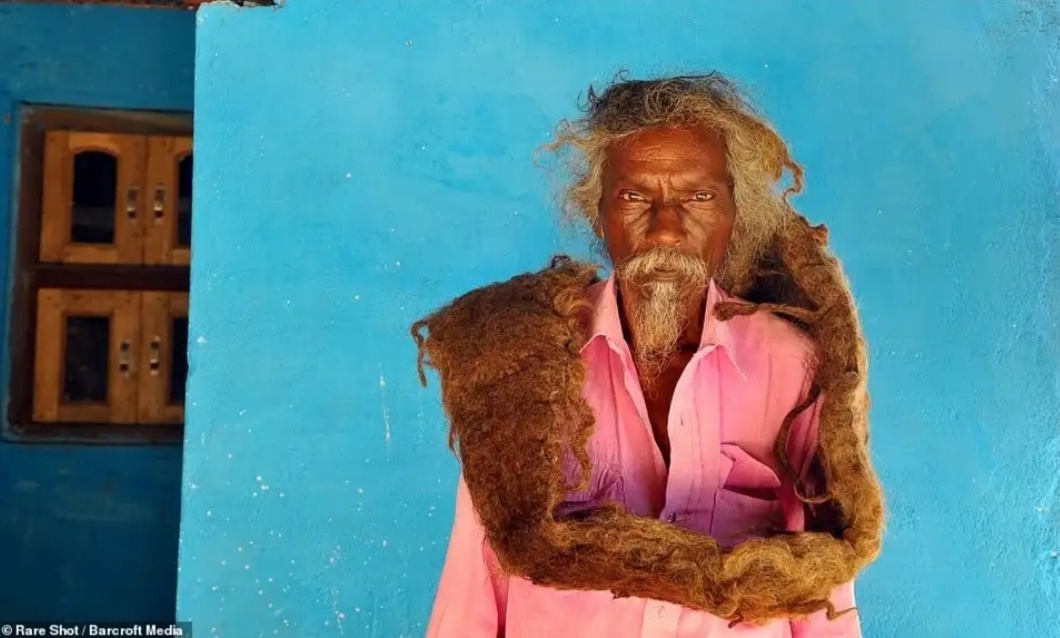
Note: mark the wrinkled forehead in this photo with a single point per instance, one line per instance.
(689, 153)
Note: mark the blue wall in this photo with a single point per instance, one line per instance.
(87, 532)
(359, 165)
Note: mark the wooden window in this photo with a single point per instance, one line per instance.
(99, 323)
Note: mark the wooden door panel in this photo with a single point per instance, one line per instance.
(92, 198)
(167, 238)
(85, 358)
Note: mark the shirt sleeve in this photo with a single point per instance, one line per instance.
(802, 451)
(472, 591)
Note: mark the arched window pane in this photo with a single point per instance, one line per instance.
(95, 195)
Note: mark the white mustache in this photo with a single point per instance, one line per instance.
(658, 260)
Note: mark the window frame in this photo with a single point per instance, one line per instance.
(28, 274)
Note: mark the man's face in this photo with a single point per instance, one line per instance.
(666, 212)
(667, 188)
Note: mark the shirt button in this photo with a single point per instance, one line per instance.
(672, 517)
(659, 611)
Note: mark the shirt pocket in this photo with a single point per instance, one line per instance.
(605, 486)
(748, 503)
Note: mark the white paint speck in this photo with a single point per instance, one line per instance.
(200, 340)
(386, 410)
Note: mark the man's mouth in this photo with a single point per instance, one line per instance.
(663, 274)
(666, 271)
(663, 266)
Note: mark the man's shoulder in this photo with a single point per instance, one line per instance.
(595, 290)
(774, 336)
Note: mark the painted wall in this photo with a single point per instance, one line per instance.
(359, 165)
(87, 531)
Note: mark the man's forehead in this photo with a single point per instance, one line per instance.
(663, 142)
(676, 175)
(672, 151)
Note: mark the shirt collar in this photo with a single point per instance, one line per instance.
(607, 323)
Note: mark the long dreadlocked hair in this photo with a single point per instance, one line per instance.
(511, 377)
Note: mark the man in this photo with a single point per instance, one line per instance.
(678, 450)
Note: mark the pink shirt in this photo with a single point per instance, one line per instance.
(748, 373)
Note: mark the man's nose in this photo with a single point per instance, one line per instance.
(667, 228)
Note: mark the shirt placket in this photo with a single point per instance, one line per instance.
(632, 387)
(691, 438)
(707, 433)
(694, 430)
(695, 439)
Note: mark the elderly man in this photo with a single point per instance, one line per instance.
(680, 449)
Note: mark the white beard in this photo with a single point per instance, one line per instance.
(660, 309)
(656, 322)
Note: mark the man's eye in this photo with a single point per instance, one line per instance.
(703, 196)
(631, 196)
